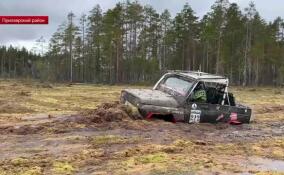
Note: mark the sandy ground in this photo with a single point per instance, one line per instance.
(79, 129)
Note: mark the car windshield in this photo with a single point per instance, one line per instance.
(178, 85)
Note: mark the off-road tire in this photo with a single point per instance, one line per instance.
(143, 113)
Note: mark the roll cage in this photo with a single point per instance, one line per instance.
(197, 77)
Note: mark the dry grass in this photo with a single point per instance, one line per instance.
(23, 98)
(259, 96)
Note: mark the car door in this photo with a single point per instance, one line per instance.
(205, 113)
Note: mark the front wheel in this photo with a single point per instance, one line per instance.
(142, 112)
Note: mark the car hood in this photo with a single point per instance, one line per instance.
(150, 97)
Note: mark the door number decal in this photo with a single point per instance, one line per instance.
(194, 114)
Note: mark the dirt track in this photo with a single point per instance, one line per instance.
(110, 140)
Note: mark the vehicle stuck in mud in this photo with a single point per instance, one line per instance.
(191, 97)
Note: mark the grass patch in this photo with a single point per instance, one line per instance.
(23, 171)
(33, 171)
(270, 173)
(63, 168)
(19, 161)
(113, 139)
(151, 158)
(272, 148)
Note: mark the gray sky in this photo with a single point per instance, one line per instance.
(25, 35)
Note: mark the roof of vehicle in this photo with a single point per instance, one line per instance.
(202, 76)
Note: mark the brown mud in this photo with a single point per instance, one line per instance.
(111, 133)
(110, 139)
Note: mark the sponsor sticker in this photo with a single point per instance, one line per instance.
(234, 116)
(194, 106)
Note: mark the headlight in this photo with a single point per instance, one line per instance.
(133, 108)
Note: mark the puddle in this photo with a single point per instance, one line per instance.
(263, 164)
(266, 164)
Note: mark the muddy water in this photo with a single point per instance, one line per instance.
(262, 164)
(266, 164)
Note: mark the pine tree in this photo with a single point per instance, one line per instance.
(94, 45)
(234, 32)
(166, 27)
(83, 21)
(186, 33)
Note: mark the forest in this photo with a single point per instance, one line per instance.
(133, 43)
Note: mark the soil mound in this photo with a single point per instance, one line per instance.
(106, 115)
(44, 86)
(106, 112)
(23, 93)
(21, 130)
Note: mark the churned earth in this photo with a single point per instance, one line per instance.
(82, 129)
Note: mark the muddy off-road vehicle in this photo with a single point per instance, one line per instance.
(172, 98)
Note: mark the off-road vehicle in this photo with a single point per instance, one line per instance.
(172, 97)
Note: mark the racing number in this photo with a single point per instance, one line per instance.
(194, 116)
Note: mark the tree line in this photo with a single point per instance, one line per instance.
(133, 43)
(18, 63)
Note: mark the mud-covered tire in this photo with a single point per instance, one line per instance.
(143, 113)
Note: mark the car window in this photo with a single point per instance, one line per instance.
(178, 85)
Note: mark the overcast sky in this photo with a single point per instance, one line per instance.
(25, 35)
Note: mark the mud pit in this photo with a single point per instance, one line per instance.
(110, 140)
(105, 116)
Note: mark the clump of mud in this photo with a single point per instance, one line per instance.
(106, 112)
(44, 85)
(23, 93)
(21, 130)
(107, 115)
